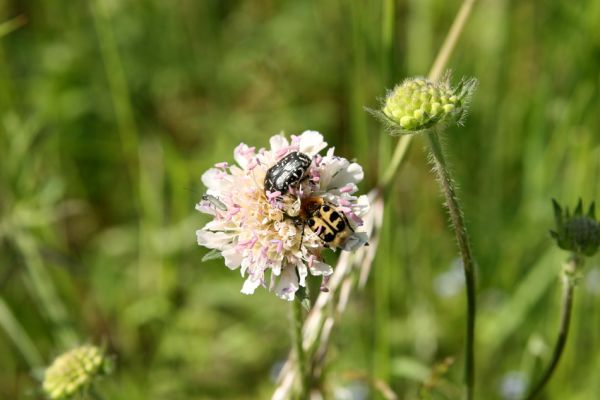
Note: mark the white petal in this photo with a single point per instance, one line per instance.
(276, 269)
(356, 240)
(250, 285)
(245, 266)
(213, 240)
(206, 209)
(233, 258)
(320, 268)
(356, 173)
(303, 272)
(278, 142)
(243, 154)
(362, 206)
(311, 142)
(211, 179)
(219, 225)
(288, 284)
(343, 173)
(328, 167)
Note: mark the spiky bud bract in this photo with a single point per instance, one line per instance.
(418, 104)
(578, 232)
(73, 372)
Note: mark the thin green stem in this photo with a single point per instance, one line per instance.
(12, 25)
(383, 274)
(302, 367)
(460, 230)
(399, 155)
(358, 127)
(19, 336)
(119, 88)
(44, 289)
(568, 280)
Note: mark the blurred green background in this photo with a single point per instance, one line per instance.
(110, 110)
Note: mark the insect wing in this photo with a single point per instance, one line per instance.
(333, 228)
(321, 228)
(286, 172)
(289, 174)
(335, 219)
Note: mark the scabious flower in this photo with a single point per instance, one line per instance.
(577, 232)
(74, 371)
(419, 103)
(263, 233)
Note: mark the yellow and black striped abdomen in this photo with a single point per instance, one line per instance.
(330, 225)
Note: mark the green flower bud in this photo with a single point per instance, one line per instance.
(578, 233)
(418, 104)
(74, 371)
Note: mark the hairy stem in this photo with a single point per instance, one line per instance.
(568, 281)
(301, 364)
(460, 230)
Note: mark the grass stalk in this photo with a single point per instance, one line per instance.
(119, 89)
(297, 337)
(43, 287)
(387, 39)
(568, 281)
(12, 25)
(19, 336)
(458, 224)
(128, 130)
(441, 60)
(382, 279)
(358, 119)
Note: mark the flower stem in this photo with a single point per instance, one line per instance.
(301, 364)
(568, 280)
(460, 230)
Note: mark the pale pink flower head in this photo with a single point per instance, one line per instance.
(266, 234)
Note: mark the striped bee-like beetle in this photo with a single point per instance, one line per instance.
(287, 172)
(329, 224)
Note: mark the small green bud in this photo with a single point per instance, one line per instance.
(578, 233)
(74, 371)
(408, 122)
(418, 104)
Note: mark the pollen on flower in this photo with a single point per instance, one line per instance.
(264, 233)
